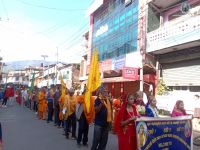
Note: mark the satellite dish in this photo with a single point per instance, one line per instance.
(185, 7)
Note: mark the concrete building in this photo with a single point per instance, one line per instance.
(173, 40)
(117, 30)
(17, 77)
(52, 74)
(45, 76)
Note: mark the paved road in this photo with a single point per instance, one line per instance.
(23, 131)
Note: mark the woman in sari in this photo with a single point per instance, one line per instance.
(116, 107)
(125, 123)
(151, 109)
(179, 109)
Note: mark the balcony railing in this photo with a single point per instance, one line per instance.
(174, 33)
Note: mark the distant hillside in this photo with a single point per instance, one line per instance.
(18, 65)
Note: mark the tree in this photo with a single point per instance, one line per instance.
(161, 87)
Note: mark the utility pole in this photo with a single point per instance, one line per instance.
(44, 56)
(56, 65)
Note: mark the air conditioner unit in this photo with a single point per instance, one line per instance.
(127, 2)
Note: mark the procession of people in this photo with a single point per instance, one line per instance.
(67, 110)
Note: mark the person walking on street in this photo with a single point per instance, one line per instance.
(69, 109)
(83, 121)
(56, 98)
(6, 96)
(12, 95)
(125, 124)
(42, 104)
(50, 105)
(103, 118)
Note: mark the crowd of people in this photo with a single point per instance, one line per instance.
(65, 108)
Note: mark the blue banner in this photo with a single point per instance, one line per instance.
(164, 133)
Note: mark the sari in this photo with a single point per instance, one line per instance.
(127, 139)
(177, 111)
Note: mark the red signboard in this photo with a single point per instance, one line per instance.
(130, 73)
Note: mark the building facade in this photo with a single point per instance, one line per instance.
(173, 39)
(117, 31)
(45, 76)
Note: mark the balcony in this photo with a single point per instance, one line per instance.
(175, 35)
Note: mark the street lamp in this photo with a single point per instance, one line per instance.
(44, 56)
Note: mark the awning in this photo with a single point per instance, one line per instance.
(116, 79)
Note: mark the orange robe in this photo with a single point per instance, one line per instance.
(69, 105)
(42, 105)
(89, 116)
(61, 104)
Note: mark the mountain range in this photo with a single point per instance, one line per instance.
(19, 65)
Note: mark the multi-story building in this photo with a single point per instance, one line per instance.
(117, 30)
(52, 74)
(83, 64)
(45, 76)
(18, 77)
(173, 35)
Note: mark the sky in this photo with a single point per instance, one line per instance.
(31, 28)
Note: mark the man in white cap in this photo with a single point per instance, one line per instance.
(69, 109)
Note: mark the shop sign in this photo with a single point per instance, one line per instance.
(130, 73)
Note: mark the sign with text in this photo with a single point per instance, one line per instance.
(118, 62)
(130, 73)
(106, 65)
(164, 133)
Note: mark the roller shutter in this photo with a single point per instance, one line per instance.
(186, 73)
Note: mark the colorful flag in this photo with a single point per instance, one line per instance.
(94, 80)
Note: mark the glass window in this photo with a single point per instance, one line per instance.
(121, 37)
(122, 17)
(128, 13)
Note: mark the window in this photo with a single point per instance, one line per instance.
(16, 78)
(121, 37)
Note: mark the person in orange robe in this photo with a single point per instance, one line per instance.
(126, 129)
(84, 118)
(42, 104)
(69, 109)
(116, 107)
(61, 104)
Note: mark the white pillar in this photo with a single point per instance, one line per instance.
(141, 79)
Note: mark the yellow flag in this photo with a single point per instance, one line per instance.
(63, 86)
(94, 80)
